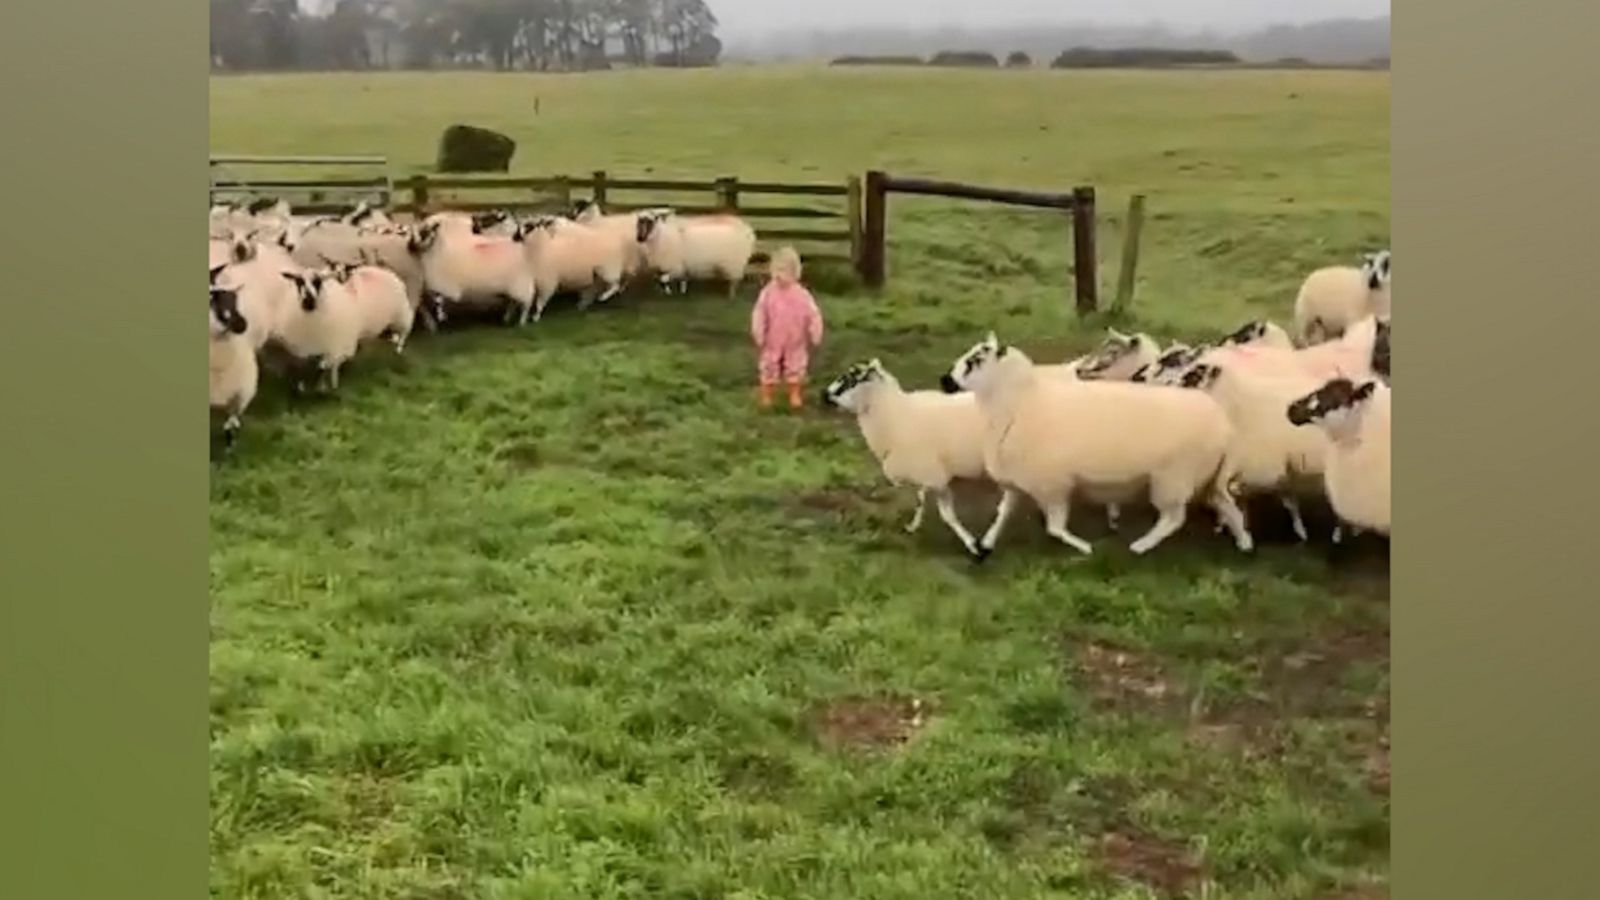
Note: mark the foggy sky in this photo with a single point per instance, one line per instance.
(757, 18)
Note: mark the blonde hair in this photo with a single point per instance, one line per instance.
(786, 262)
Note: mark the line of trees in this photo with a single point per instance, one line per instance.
(541, 35)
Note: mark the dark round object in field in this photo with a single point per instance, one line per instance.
(467, 148)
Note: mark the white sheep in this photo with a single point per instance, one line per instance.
(324, 328)
(570, 256)
(923, 438)
(1333, 298)
(1119, 357)
(681, 248)
(624, 227)
(1267, 454)
(1048, 438)
(1351, 354)
(380, 297)
(475, 271)
(232, 362)
(254, 273)
(1356, 418)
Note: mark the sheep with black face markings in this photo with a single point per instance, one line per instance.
(1049, 438)
(1356, 417)
(323, 329)
(1267, 454)
(624, 229)
(681, 248)
(232, 362)
(566, 255)
(923, 438)
(1333, 298)
(473, 271)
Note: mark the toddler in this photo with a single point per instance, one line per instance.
(785, 324)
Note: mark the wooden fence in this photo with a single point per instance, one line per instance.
(842, 222)
(833, 211)
(1079, 206)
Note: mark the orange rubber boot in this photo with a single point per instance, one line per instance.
(764, 397)
(795, 399)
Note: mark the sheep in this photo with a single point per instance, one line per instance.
(253, 273)
(388, 247)
(461, 268)
(1047, 438)
(381, 298)
(625, 227)
(366, 215)
(1118, 358)
(1267, 454)
(1333, 298)
(683, 247)
(1356, 419)
(570, 256)
(1351, 353)
(922, 438)
(324, 328)
(1258, 333)
(232, 363)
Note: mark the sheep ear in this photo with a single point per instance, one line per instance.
(1121, 338)
(875, 364)
(1366, 390)
(215, 271)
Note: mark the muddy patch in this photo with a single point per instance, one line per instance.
(1163, 865)
(1118, 678)
(868, 723)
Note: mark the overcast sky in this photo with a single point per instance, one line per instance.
(758, 17)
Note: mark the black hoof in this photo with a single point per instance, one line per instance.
(981, 554)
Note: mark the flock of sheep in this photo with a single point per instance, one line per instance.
(1258, 413)
(315, 289)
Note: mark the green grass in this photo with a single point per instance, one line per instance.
(556, 613)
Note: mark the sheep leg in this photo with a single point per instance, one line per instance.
(230, 429)
(613, 288)
(1113, 515)
(947, 512)
(1167, 524)
(1292, 505)
(541, 299)
(1230, 515)
(332, 373)
(1008, 505)
(916, 518)
(1055, 525)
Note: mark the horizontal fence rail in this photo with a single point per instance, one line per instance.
(1078, 204)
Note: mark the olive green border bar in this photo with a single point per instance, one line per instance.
(103, 471)
(1495, 586)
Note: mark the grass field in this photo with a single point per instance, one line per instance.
(555, 613)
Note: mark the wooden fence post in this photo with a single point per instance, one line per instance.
(563, 191)
(727, 188)
(872, 268)
(600, 187)
(1083, 254)
(1130, 253)
(853, 212)
(419, 196)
